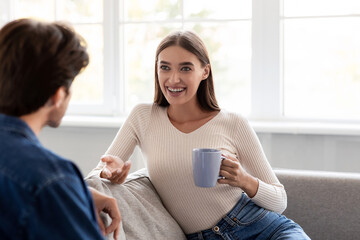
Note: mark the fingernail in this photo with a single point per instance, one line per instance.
(106, 172)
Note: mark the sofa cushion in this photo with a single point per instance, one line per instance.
(142, 212)
(324, 204)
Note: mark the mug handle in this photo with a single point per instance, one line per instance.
(221, 177)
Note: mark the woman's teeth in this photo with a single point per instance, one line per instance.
(176, 89)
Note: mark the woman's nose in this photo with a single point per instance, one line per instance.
(175, 77)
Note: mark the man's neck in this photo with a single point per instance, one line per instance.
(36, 120)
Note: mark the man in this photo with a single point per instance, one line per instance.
(42, 195)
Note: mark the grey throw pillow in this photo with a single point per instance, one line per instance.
(143, 214)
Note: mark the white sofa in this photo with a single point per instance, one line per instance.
(325, 204)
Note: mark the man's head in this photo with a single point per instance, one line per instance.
(38, 62)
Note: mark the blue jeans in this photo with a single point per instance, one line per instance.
(249, 221)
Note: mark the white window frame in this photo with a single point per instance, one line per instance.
(113, 104)
(267, 98)
(266, 70)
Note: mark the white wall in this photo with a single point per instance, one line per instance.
(312, 152)
(85, 145)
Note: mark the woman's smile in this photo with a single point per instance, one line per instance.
(174, 92)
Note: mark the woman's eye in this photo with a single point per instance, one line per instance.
(185, 69)
(164, 67)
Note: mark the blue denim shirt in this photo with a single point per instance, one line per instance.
(42, 196)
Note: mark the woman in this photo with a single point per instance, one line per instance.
(248, 202)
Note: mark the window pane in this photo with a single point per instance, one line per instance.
(225, 9)
(141, 43)
(231, 61)
(81, 11)
(39, 9)
(322, 68)
(140, 10)
(88, 86)
(4, 12)
(294, 8)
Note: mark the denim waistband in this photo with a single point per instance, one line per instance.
(249, 221)
(228, 220)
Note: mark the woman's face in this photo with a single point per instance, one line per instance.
(180, 73)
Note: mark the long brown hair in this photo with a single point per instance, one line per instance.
(192, 43)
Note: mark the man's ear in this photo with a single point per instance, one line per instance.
(206, 71)
(58, 98)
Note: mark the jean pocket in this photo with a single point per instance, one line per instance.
(250, 214)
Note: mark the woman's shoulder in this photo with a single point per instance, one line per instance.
(142, 107)
(142, 115)
(145, 110)
(236, 122)
(147, 107)
(233, 116)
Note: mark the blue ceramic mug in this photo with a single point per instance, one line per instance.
(206, 166)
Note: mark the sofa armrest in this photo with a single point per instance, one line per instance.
(325, 204)
(143, 214)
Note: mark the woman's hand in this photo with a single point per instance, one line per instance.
(104, 203)
(115, 169)
(235, 175)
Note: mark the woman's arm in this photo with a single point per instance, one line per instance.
(123, 145)
(253, 172)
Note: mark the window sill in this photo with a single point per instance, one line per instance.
(285, 127)
(314, 128)
(92, 121)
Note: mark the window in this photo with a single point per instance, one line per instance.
(271, 59)
(321, 59)
(123, 36)
(86, 16)
(305, 60)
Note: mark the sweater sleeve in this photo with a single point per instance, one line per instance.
(128, 136)
(271, 193)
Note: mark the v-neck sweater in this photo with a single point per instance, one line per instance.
(168, 153)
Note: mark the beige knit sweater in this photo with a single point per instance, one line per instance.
(168, 152)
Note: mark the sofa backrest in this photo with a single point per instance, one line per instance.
(325, 204)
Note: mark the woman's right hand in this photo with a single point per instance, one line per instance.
(115, 169)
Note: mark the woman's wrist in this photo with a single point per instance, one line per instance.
(251, 185)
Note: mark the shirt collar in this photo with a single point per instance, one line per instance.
(17, 125)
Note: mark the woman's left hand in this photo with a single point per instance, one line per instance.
(232, 172)
(235, 175)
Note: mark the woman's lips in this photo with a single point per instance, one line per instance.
(175, 91)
